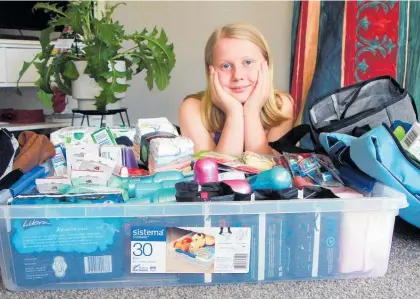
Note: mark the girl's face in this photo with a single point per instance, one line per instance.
(237, 61)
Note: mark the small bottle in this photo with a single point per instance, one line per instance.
(206, 171)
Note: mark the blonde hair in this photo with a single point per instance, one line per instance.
(213, 118)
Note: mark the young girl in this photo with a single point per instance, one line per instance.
(240, 110)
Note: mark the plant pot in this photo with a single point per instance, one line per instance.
(85, 89)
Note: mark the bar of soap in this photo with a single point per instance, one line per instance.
(258, 161)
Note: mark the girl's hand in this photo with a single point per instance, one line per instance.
(222, 99)
(259, 95)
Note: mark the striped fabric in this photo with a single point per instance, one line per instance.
(339, 43)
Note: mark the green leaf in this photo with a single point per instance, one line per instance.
(109, 33)
(40, 67)
(119, 74)
(116, 87)
(45, 98)
(60, 84)
(70, 71)
(49, 7)
(44, 39)
(106, 96)
(110, 10)
(25, 67)
(156, 56)
(106, 75)
(161, 74)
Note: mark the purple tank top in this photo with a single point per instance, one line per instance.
(217, 137)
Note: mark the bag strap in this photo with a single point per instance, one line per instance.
(364, 84)
(288, 142)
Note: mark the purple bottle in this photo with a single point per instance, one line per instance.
(206, 171)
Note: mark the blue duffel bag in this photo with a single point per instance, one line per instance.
(379, 154)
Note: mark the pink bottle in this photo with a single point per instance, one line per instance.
(206, 171)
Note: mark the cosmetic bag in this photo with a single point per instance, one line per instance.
(379, 154)
(357, 108)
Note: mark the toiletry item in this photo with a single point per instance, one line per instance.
(98, 164)
(102, 137)
(75, 154)
(301, 182)
(328, 166)
(276, 178)
(73, 135)
(155, 178)
(411, 141)
(357, 180)
(88, 178)
(27, 181)
(399, 132)
(145, 188)
(53, 185)
(218, 191)
(125, 172)
(154, 193)
(302, 164)
(59, 161)
(150, 128)
(206, 171)
(405, 125)
(82, 198)
(258, 161)
(239, 186)
(129, 160)
(137, 172)
(112, 152)
(98, 189)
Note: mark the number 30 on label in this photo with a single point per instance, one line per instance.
(142, 249)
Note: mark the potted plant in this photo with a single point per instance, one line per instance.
(94, 70)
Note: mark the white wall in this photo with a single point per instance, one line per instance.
(188, 25)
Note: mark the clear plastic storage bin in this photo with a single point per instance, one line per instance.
(126, 245)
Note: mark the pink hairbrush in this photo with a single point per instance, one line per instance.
(206, 171)
(239, 186)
